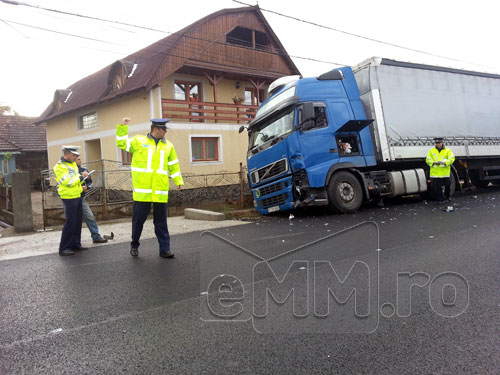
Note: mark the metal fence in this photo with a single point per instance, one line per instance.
(111, 193)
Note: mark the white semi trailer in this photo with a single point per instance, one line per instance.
(388, 112)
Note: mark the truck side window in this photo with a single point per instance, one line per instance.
(320, 116)
(319, 120)
(347, 144)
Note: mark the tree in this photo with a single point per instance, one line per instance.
(6, 109)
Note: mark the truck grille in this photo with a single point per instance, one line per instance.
(269, 171)
(273, 201)
(270, 189)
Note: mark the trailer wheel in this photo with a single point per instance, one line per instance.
(344, 193)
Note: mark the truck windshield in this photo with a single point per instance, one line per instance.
(275, 127)
(273, 102)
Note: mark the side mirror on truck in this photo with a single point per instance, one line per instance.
(307, 119)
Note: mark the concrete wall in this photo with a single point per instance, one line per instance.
(21, 202)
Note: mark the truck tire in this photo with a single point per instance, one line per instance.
(344, 193)
(453, 184)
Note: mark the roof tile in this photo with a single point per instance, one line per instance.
(18, 133)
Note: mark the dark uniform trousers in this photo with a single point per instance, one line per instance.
(141, 212)
(72, 230)
(437, 188)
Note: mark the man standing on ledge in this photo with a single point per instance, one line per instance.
(69, 187)
(440, 159)
(153, 160)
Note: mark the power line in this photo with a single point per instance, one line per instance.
(167, 44)
(182, 35)
(13, 28)
(359, 36)
(57, 32)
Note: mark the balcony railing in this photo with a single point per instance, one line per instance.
(194, 111)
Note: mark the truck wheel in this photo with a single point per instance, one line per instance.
(453, 184)
(344, 193)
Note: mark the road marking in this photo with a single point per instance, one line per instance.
(280, 236)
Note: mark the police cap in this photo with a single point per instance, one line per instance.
(72, 149)
(160, 123)
(438, 139)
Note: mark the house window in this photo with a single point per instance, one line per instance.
(187, 90)
(204, 149)
(126, 157)
(251, 96)
(119, 79)
(242, 36)
(191, 92)
(88, 121)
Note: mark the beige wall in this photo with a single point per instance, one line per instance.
(141, 107)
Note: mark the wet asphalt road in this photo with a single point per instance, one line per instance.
(103, 312)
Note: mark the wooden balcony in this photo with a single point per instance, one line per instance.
(194, 111)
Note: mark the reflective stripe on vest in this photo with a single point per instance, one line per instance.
(145, 191)
(145, 170)
(64, 178)
(148, 168)
(161, 192)
(161, 169)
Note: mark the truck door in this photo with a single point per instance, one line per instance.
(316, 141)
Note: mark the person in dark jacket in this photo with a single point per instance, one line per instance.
(87, 214)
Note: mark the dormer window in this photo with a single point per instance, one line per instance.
(119, 73)
(61, 97)
(119, 79)
(242, 36)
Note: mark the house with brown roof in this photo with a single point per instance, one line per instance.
(23, 146)
(208, 78)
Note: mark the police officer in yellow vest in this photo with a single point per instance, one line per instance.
(440, 159)
(69, 187)
(154, 160)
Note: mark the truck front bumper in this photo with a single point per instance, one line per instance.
(275, 196)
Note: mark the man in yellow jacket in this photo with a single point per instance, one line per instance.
(69, 187)
(440, 159)
(154, 160)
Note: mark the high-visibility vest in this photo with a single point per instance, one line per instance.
(446, 155)
(68, 179)
(152, 164)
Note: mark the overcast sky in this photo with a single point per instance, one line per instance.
(34, 63)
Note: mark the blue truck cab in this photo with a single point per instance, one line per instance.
(309, 143)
